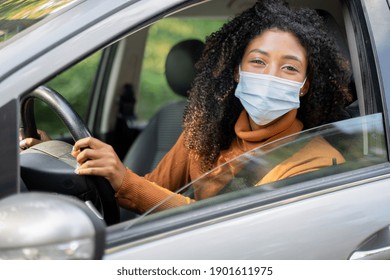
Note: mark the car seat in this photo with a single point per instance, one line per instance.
(352, 110)
(165, 127)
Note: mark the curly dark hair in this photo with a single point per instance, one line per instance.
(213, 110)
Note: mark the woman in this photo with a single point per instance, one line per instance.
(268, 73)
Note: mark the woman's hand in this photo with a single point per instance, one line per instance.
(29, 142)
(98, 158)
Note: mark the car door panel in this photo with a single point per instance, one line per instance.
(329, 225)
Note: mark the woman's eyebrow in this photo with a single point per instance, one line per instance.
(259, 51)
(287, 56)
(293, 57)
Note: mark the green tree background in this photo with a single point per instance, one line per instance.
(29, 9)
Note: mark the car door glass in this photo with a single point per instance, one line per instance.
(75, 84)
(360, 141)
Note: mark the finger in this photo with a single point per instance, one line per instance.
(31, 142)
(109, 165)
(95, 171)
(89, 154)
(114, 174)
(95, 168)
(81, 144)
(43, 135)
(88, 142)
(28, 142)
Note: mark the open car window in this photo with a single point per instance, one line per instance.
(360, 141)
(155, 91)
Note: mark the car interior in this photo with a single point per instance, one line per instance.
(105, 127)
(115, 95)
(165, 127)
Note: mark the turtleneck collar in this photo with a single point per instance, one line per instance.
(248, 139)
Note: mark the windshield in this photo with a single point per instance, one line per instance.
(17, 15)
(360, 141)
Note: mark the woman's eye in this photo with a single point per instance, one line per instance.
(258, 61)
(291, 68)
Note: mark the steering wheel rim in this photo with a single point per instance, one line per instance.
(78, 130)
(59, 105)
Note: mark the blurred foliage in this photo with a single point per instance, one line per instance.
(17, 15)
(76, 83)
(155, 91)
(31, 9)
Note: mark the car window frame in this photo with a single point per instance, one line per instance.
(364, 62)
(203, 213)
(9, 139)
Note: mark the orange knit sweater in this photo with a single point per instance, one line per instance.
(178, 168)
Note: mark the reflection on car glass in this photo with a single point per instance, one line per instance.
(360, 142)
(15, 16)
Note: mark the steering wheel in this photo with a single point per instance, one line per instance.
(49, 166)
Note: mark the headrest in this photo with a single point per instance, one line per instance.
(335, 31)
(180, 65)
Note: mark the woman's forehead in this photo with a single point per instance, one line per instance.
(276, 41)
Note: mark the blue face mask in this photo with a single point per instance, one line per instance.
(265, 97)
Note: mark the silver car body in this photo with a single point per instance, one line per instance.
(323, 218)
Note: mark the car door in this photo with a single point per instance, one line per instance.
(322, 217)
(342, 214)
(330, 213)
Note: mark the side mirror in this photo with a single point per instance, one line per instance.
(49, 226)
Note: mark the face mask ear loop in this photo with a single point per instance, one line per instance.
(300, 90)
(239, 73)
(304, 81)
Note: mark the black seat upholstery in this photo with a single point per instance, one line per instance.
(165, 126)
(352, 110)
(335, 31)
